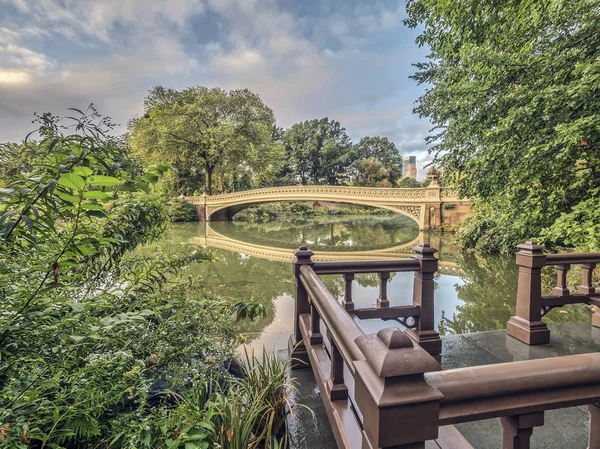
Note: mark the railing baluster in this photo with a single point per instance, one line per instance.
(517, 430)
(527, 324)
(561, 288)
(594, 432)
(587, 288)
(382, 301)
(338, 391)
(423, 291)
(316, 337)
(347, 302)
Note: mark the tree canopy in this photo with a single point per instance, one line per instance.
(318, 151)
(385, 151)
(513, 93)
(205, 132)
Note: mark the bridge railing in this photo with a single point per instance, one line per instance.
(386, 391)
(532, 305)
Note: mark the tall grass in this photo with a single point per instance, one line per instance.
(249, 412)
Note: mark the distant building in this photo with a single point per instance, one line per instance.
(409, 167)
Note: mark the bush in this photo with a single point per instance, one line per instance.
(101, 345)
(181, 210)
(302, 210)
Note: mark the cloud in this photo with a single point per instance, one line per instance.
(347, 60)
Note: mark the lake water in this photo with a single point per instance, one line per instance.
(473, 293)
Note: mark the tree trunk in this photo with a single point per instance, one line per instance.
(209, 174)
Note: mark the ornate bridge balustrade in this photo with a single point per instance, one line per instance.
(431, 207)
(386, 391)
(527, 324)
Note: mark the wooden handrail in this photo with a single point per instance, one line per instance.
(511, 378)
(527, 324)
(339, 323)
(366, 266)
(371, 382)
(572, 258)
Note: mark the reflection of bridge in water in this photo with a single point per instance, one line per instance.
(213, 239)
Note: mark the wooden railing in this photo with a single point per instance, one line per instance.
(527, 324)
(387, 391)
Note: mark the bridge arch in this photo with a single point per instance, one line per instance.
(218, 212)
(424, 205)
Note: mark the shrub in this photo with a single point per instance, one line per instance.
(302, 209)
(181, 210)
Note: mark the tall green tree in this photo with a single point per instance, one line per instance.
(369, 172)
(382, 149)
(318, 151)
(513, 92)
(207, 131)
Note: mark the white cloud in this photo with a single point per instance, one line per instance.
(303, 66)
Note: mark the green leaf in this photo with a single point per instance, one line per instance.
(96, 195)
(72, 181)
(91, 206)
(104, 181)
(82, 171)
(67, 197)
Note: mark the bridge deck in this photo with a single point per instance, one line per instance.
(564, 428)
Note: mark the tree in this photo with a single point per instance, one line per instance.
(318, 150)
(513, 94)
(382, 149)
(369, 172)
(408, 183)
(208, 131)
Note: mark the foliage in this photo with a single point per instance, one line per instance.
(382, 149)
(317, 151)
(408, 183)
(514, 98)
(302, 210)
(181, 210)
(369, 172)
(97, 341)
(204, 132)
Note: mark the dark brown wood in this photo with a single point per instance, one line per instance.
(382, 300)
(335, 384)
(315, 326)
(594, 432)
(572, 258)
(387, 313)
(365, 266)
(527, 324)
(373, 383)
(423, 296)
(517, 430)
(298, 354)
(347, 303)
(587, 287)
(561, 288)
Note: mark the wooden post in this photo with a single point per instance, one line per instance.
(296, 349)
(347, 303)
(423, 295)
(527, 324)
(517, 430)
(400, 409)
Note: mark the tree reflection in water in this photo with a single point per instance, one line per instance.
(479, 296)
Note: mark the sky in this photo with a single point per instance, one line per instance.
(348, 60)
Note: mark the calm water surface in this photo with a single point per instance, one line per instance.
(473, 293)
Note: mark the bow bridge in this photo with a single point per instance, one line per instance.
(431, 207)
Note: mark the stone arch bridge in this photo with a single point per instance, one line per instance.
(431, 207)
